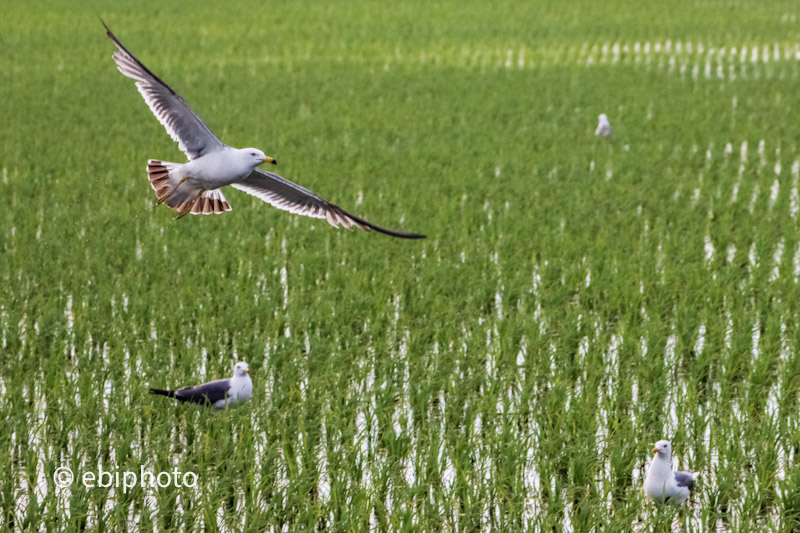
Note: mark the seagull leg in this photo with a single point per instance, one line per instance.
(189, 205)
(168, 196)
(184, 212)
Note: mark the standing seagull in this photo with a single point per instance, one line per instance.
(603, 126)
(193, 187)
(664, 485)
(220, 393)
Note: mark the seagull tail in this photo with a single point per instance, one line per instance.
(211, 202)
(168, 180)
(167, 393)
(169, 183)
(164, 177)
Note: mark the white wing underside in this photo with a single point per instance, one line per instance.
(192, 134)
(195, 139)
(288, 196)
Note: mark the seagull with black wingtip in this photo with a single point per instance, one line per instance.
(219, 394)
(194, 187)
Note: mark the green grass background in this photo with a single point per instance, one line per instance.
(576, 300)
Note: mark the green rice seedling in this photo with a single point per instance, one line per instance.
(577, 299)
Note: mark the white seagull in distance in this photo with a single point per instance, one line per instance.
(603, 126)
(664, 485)
(193, 187)
(219, 394)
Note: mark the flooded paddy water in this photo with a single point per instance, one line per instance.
(577, 298)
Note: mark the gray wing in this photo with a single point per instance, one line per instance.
(291, 197)
(684, 479)
(185, 127)
(211, 392)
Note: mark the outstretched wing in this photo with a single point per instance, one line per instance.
(684, 479)
(211, 392)
(185, 127)
(291, 197)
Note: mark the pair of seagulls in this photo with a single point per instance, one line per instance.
(194, 187)
(662, 484)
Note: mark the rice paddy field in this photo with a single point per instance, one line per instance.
(577, 298)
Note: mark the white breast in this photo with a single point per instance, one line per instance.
(241, 390)
(220, 168)
(660, 483)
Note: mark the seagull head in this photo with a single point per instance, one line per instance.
(241, 369)
(603, 118)
(663, 448)
(258, 156)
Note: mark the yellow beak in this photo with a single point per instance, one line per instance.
(268, 159)
(246, 371)
(655, 450)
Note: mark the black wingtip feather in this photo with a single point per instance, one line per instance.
(160, 392)
(135, 59)
(399, 234)
(391, 233)
(108, 31)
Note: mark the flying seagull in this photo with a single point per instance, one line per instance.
(664, 485)
(603, 126)
(220, 393)
(193, 187)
